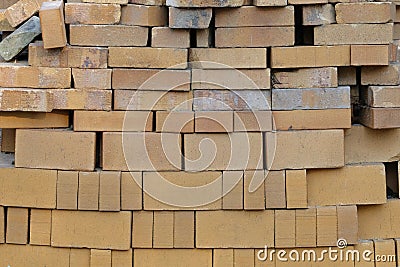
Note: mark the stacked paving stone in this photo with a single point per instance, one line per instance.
(198, 133)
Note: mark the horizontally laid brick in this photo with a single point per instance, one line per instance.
(231, 79)
(147, 57)
(310, 56)
(362, 55)
(306, 78)
(78, 99)
(152, 100)
(175, 121)
(167, 37)
(252, 121)
(183, 18)
(144, 15)
(55, 149)
(36, 188)
(206, 3)
(365, 12)
(311, 98)
(227, 58)
(121, 2)
(383, 96)
(34, 77)
(82, 13)
(112, 121)
(147, 79)
(102, 230)
(70, 56)
(208, 121)
(253, 16)
(92, 78)
(14, 99)
(380, 118)
(170, 257)
(262, 3)
(242, 229)
(318, 14)
(108, 35)
(343, 34)
(381, 75)
(308, 149)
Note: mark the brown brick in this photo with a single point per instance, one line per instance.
(144, 15)
(343, 34)
(184, 229)
(82, 13)
(285, 228)
(108, 35)
(252, 121)
(227, 58)
(55, 149)
(380, 118)
(347, 76)
(296, 189)
(100, 258)
(307, 2)
(312, 119)
(310, 56)
(308, 149)
(113, 121)
(262, 3)
(166, 37)
(82, 99)
(2, 228)
(4, 24)
(385, 248)
(327, 226)
(382, 96)
(126, 151)
(34, 77)
(52, 24)
(384, 75)
(7, 3)
(205, 189)
(172, 257)
(121, 258)
(102, 230)
(40, 227)
(362, 55)
(148, 2)
(258, 36)
(142, 229)
(67, 190)
(15, 120)
(203, 38)
(22, 10)
(92, 78)
(131, 191)
(275, 190)
(214, 122)
(110, 191)
(254, 200)
(147, 79)
(232, 190)
(306, 227)
(147, 57)
(183, 18)
(163, 229)
(175, 121)
(223, 257)
(254, 16)
(152, 100)
(365, 12)
(348, 223)
(8, 140)
(79, 257)
(205, 3)
(17, 226)
(88, 191)
(13, 99)
(314, 15)
(242, 229)
(306, 78)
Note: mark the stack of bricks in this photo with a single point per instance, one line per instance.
(199, 133)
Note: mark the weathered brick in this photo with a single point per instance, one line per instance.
(148, 2)
(258, 36)
(343, 34)
(365, 12)
(13, 99)
(4, 24)
(92, 78)
(203, 38)
(314, 15)
(205, 3)
(82, 13)
(307, 2)
(228, 58)
(313, 98)
(254, 16)
(108, 35)
(263, 3)
(22, 10)
(181, 18)
(113, 121)
(102, 230)
(128, 151)
(52, 24)
(34, 77)
(147, 79)
(121, 2)
(147, 57)
(82, 99)
(305, 149)
(347, 76)
(167, 37)
(242, 229)
(310, 56)
(306, 78)
(55, 149)
(384, 75)
(380, 118)
(152, 100)
(382, 96)
(144, 15)
(362, 55)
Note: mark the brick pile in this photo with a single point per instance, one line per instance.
(198, 133)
